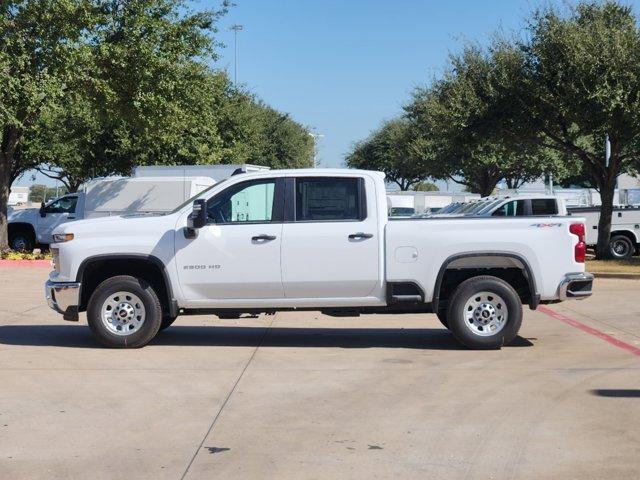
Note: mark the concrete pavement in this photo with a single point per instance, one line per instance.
(301, 395)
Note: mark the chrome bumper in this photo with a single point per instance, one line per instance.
(576, 286)
(63, 297)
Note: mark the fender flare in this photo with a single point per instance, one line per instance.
(531, 280)
(173, 305)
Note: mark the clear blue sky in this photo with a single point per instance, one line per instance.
(343, 66)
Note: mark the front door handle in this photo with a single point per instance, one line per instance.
(360, 236)
(263, 238)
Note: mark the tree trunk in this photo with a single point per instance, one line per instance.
(9, 143)
(607, 190)
(5, 185)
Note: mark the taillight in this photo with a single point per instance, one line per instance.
(581, 248)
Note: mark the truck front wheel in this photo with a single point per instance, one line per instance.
(484, 313)
(124, 312)
(21, 240)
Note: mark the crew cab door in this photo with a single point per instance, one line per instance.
(55, 213)
(237, 254)
(330, 238)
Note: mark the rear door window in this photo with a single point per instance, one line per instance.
(328, 199)
(544, 206)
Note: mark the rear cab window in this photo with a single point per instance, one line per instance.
(325, 199)
(544, 206)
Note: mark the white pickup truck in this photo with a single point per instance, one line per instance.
(311, 240)
(100, 198)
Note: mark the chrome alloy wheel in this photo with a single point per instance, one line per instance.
(122, 313)
(485, 314)
(620, 248)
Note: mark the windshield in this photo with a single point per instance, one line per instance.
(452, 207)
(190, 200)
(486, 207)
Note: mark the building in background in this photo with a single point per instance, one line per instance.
(18, 196)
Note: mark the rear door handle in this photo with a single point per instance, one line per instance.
(360, 235)
(263, 238)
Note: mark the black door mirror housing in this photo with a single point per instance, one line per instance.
(197, 218)
(42, 212)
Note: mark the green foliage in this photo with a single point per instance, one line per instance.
(426, 187)
(121, 84)
(451, 116)
(42, 193)
(395, 150)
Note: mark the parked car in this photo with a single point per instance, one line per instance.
(508, 206)
(311, 240)
(401, 211)
(625, 229)
(105, 197)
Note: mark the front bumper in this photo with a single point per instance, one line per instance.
(63, 297)
(576, 286)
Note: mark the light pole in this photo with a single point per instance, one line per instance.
(316, 137)
(236, 28)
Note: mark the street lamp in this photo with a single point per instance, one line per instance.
(236, 28)
(316, 137)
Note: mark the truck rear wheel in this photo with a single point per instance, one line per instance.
(484, 312)
(621, 247)
(124, 312)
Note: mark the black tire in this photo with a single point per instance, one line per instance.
(470, 336)
(167, 321)
(21, 240)
(620, 247)
(152, 317)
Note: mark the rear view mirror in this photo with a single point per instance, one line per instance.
(197, 218)
(42, 212)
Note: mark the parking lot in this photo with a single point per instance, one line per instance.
(301, 395)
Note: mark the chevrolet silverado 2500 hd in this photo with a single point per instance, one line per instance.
(311, 240)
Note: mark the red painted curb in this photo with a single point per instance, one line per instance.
(590, 330)
(25, 263)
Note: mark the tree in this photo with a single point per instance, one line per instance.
(574, 81)
(426, 187)
(253, 132)
(40, 54)
(395, 150)
(451, 116)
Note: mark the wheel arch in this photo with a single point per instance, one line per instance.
(13, 226)
(95, 269)
(481, 264)
(626, 233)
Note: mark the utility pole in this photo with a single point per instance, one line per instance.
(236, 28)
(316, 137)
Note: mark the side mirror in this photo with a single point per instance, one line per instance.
(197, 218)
(42, 212)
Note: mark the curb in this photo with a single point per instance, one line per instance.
(620, 276)
(25, 263)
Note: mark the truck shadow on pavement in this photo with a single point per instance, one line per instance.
(79, 336)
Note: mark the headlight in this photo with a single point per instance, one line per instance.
(62, 237)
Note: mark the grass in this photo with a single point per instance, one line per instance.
(13, 255)
(614, 266)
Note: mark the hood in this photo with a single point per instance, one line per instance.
(23, 215)
(100, 227)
